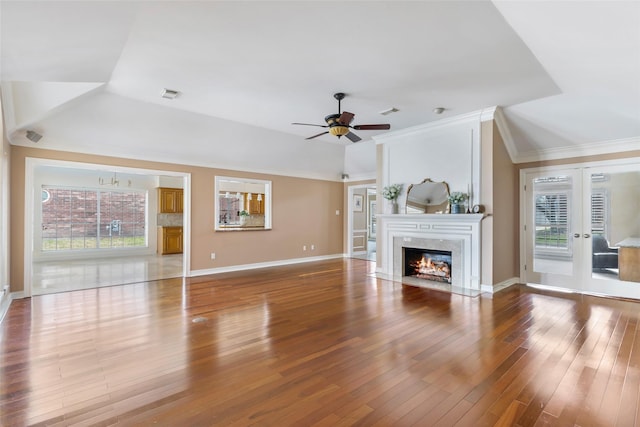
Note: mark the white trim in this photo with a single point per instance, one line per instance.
(241, 267)
(473, 117)
(460, 227)
(366, 176)
(492, 289)
(505, 133)
(597, 163)
(349, 216)
(5, 303)
(589, 149)
(268, 184)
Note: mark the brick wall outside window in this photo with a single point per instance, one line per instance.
(77, 218)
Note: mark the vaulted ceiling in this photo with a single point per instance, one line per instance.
(88, 75)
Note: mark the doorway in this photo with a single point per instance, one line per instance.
(85, 254)
(581, 228)
(362, 209)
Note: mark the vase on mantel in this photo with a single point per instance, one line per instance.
(394, 207)
(457, 208)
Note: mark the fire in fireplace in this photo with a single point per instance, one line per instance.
(431, 264)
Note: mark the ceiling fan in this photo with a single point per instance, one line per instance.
(340, 124)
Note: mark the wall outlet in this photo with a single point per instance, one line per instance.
(213, 255)
(313, 247)
(304, 247)
(337, 212)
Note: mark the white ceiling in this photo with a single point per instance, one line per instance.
(88, 75)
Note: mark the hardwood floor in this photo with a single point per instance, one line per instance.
(323, 344)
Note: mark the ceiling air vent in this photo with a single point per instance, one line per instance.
(33, 136)
(169, 93)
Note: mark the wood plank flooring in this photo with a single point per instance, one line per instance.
(317, 344)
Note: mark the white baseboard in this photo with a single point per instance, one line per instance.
(492, 289)
(241, 267)
(4, 306)
(5, 302)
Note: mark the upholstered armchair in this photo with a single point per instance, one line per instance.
(604, 256)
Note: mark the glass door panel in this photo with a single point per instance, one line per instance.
(553, 221)
(613, 258)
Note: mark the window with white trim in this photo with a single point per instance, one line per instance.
(82, 219)
(552, 215)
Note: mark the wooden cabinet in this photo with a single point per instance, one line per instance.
(169, 240)
(255, 206)
(170, 200)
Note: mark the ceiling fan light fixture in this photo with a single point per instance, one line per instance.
(338, 130)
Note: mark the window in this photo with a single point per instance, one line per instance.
(552, 225)
(80, 219)
(599, 211)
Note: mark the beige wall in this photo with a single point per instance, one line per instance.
(304, 213)
(499, 191)
(506, 252)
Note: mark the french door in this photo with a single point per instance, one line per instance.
(578, 225)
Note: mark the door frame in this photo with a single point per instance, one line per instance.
(31, 163)
(630, 161)
(574, 232)
(350, 206)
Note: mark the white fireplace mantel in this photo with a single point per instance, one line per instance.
(463, 229)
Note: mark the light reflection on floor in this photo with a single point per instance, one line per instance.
(60, 276)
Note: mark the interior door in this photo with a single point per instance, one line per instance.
(553, 228)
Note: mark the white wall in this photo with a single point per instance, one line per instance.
(111, 125)
(447, 150)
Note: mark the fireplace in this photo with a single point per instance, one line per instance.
(439, 262)
(458, 235)
(427, 264)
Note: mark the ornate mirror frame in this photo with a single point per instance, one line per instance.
(427, 197)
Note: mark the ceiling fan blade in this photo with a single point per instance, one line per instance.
(353, 137)
(373, 127)
(346, 118)
(315, 136)
(310, 124)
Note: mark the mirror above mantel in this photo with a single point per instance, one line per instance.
(427, 197)
(242, 204)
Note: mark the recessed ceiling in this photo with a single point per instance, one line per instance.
(564, 72)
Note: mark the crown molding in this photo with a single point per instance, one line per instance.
(503, 127)
(366, 176)
(474, 116)
(583, 150)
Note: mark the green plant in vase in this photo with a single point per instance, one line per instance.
(391, 193)
(456, 201)
(244, 216)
